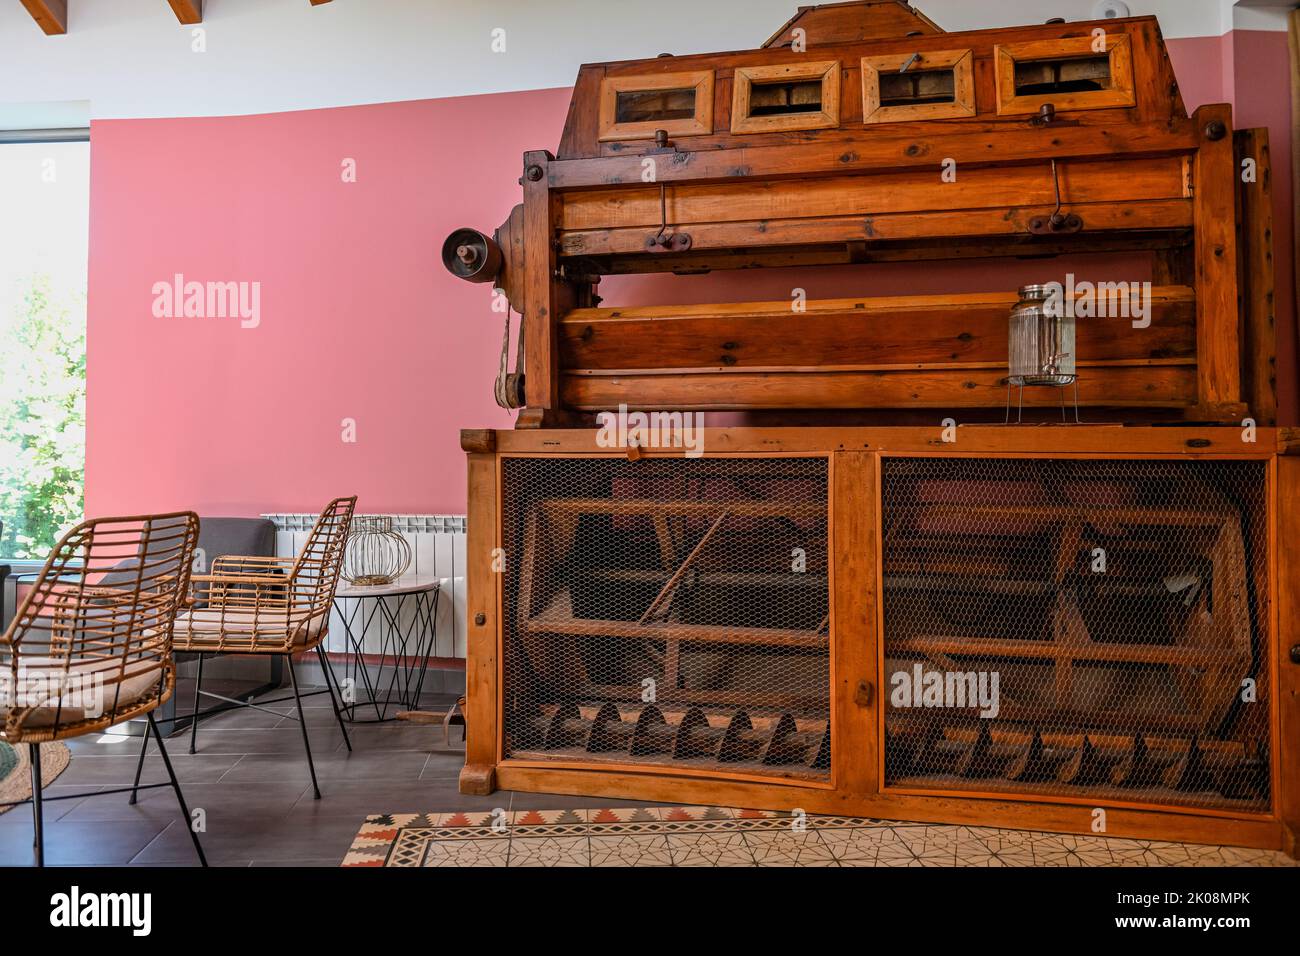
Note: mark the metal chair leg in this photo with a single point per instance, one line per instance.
(38, 844)
(139, 765)
(302, 722)
(329, 685)
(180, 797)
(194, 721)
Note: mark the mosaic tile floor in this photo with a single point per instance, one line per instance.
(719, 836)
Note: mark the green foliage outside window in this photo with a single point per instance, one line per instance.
(42, 419)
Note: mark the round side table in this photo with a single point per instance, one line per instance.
(382, 605)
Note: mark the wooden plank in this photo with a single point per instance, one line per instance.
(541, 358)
(922, 147)
(1287, 540)
(1293, 34)
(1100, 441)
(902, 330)
(741, 389)
(482, 674)
(683, 507)
(1258, 278)
(671, 583)
(852, 22)
(1055, 814)
(50, 15)
(187, 11)
(1059, 651)
(1084, 181)
(550, 623)
(919, 250)
(1217, 315)
(1163, 214)
(581, 128)
(855, 607)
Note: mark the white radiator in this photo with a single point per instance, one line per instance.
(437, 548)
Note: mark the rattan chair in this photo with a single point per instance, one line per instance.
(82, 655)
(277, 606)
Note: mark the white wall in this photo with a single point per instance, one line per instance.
(130, 58)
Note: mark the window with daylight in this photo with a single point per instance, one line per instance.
(45, 195)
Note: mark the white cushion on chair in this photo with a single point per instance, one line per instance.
(205, 624)
(40, 680)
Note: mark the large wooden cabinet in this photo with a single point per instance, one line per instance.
(734, 631)
(876, 595)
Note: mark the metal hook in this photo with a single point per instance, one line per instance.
(1058, 222)
(1057, 218)
(663, 215)
(910, 60)
(661, 241)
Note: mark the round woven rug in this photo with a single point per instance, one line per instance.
(16, 774)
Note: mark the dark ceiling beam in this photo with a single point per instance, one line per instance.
(52, 15)
(317, 3)
(188, 11)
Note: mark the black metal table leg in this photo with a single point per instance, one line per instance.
(176, 786)
(38, 842)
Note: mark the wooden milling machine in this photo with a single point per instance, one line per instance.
(884, 593)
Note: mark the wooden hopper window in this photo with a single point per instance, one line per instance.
(778, 98)
(645, 106)
(1074, 75)
(635, 107)
(914, 89)
(909, 87)
(1069, 74)
(768, 99)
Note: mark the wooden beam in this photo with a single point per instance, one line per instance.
(1218, 355)
(52, 15)
(317, 3)
(188, 11)
(1293, 33)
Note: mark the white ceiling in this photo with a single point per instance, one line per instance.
(130, 58)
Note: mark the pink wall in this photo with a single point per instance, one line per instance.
(360, 321)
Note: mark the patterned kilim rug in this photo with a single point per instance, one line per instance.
(16, 774)
(718, 836)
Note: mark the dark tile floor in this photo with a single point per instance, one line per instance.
(250, 779)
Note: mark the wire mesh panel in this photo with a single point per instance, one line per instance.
(669, 612)
(1077, 628)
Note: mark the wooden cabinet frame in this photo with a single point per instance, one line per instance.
(1121, 93)
(611, 86)
(961, 62)
(827, 71)
(856, 786)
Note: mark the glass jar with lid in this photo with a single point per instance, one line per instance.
(1041, 338)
